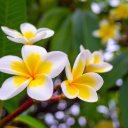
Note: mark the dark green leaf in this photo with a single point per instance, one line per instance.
(124, 102)
(32, 122)
(89, 25)
(119, 70)
(12, 13)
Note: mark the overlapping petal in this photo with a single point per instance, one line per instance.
(93, 80)
(69, 91)
(79, 65)
(13, 65)
(13, 86)
(98, 57)
(68, 72)
(26, 27)
(95, 62)
(32, 56)
(10, 32)
(86, 93)
(40, 88)
(89, 57)
(95, 68)
(52, 63)
(38, 37)
(18, 39)
(107, 66)
(48, 32)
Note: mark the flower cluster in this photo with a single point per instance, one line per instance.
(111, 26)
(121, 12)
(37, 67)
(107, 30)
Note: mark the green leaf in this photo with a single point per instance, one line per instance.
(77, 29)
(90, 24)
(83, 24)
(32, 122)
(119, 70)
(12, 14)
(52, 20)
(124, 102)
(62, 40)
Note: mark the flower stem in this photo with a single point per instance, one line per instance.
(25, 106)
(21, 109)
(56, 87)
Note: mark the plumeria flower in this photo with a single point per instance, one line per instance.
(121, 12)
(95, 62)
(34, 71)
(107, 31)
(78, 85)
(29, 34)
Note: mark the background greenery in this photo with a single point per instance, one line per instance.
(73, 22)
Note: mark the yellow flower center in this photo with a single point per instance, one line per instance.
(107, 31)
(29, 35)
(33, 67)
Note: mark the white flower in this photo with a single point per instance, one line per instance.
(83, 86)
(29, 34)
(95, 62)
(34, 71)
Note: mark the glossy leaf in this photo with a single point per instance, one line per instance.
(30, 121)
(12, 14)
(119, 70)
(124, 102)
(52, 20)
(84, 23)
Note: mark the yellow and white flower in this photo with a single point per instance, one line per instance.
(34, 71)
(29, 35)
(95, 62)
(121, 12)
(78, 85)
(107, 31)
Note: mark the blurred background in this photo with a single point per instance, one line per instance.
(73, 22)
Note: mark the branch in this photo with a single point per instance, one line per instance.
(25, 106)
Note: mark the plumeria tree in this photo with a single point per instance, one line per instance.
(54, 69)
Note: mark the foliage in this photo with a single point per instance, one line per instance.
(73, 22)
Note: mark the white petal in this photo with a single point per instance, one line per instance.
(48, 32)
(108, 66)
(68, 71)
(91, 79)
(96, 33)
(10, 32)
(38, 37)
(95, 68)
(79, 65)
(89, 57)
(41, 88)
(27, 27)
(13, 65)
(103, 22)
(31, 55)
(13, 86)
(98, 57)
(81, 48)
(17, 39)
(53, 63)
(86, 93)
(69, 91)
